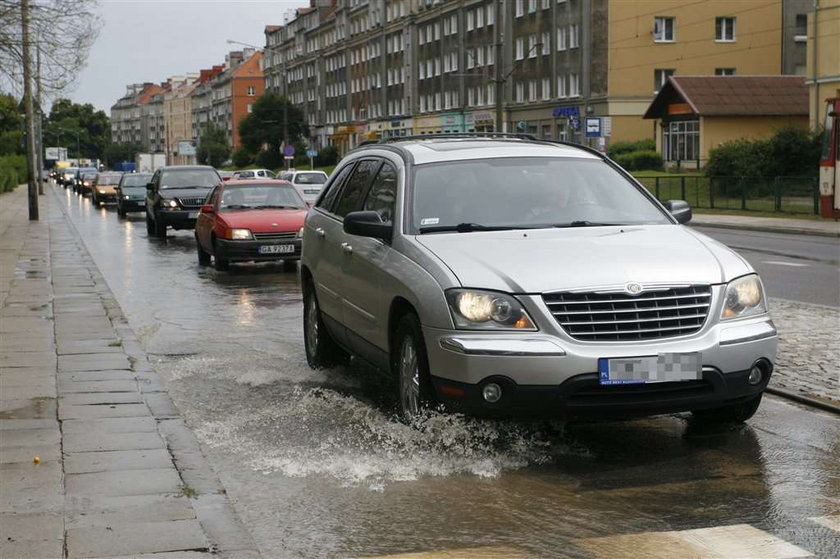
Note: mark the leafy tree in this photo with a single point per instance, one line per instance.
(11, 126)
(213, 148)
(241, 158)
(114, 153)
(327, 156)
(67, 120)
(264, 128)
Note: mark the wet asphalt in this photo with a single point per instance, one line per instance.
(317, 466)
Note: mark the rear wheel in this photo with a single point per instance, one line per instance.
(203, 256)
(736, 413)
(321, 350)
(411, 366)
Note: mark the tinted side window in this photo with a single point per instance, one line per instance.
(351, 194)
(327, 200)
(382, 193)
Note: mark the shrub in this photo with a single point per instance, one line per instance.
(241, 158)
(270, 159)
(327, 156)
(619, 148)
(13, 171)
(789, 152)
(640, 160)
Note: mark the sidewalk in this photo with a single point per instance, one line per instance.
(117, 472)
(823, 227)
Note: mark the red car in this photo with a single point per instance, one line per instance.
(253, 220)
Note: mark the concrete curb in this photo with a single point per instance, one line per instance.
(803, 399)
(214, 512)
(767, 229)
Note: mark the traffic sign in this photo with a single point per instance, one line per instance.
(593, 127)
(312, 153)
(289, 157)
(289, 150)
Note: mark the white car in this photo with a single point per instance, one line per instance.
(307, 183)
(253, 174)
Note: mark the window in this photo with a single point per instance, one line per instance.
(546, 89)
(382, 193)
(334, 188)
(520, 8)
(351, 195)
(660, 78)
(470, 20)
(520, 48)
(725, 29)
(520, 92)
(801, 33)
(532, 6)
(479, 17)
(663, 29)
(532, 90)
(561, 38)
(546, 43)
(574, 36)
(491, 14)
(724, 71)
(574, 85)
(251, 91)
(681, 140)
(532, 46)
(561, 87)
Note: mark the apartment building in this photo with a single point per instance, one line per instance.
(233, 92)
(823, 59)
(201, 99)
(372, 68)
(177, 114)
(127, 122)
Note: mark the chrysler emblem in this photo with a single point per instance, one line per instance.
(633, 288)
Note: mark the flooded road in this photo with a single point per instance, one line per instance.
(317, 466)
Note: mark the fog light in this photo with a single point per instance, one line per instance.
(755, 375)
(492, 393)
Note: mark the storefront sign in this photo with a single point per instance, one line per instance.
(483, 118)
(565, 111)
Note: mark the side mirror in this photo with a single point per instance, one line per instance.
(680, 209)
(207, 209)
(368, 224)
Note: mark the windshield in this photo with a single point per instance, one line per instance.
(136, 180)
(109, 179)
(203, 178)
(261, 196)
(88, 176)
(310, 178)
(526, 192)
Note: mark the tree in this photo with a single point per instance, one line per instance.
(67, 120)
(11, 126)
(61, 34)
(114, 153)
(264, 127)
(213, 148)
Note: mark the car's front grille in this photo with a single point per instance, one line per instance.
(191, 202)
(665, 313)
(274, 236)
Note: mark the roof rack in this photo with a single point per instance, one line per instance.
(456, 135)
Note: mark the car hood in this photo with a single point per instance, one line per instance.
(262, 221)
(535, 261)
(200, 192)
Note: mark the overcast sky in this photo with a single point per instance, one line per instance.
(151, 40)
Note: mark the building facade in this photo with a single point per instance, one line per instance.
(129, 122)
(823, 59)
(177, 112)
(372, 68)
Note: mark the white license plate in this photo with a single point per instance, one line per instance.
(665, 367)
(192, 215)
(311, 190)
(277, 249)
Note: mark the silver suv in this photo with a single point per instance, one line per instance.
(503, 276)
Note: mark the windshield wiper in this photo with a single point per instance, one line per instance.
(274, 207)
(584, 223)
(465, 228)
(237, 207)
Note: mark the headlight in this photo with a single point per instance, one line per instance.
(743, 297)
(487, 310)
(300, 233)
(241, 234)
(101, 190)
(164, 203)
(126, 197)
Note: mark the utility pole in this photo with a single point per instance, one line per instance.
(499, 35)
(30, 111)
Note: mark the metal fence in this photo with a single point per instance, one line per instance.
(797, 195)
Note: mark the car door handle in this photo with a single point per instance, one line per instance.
(347, 248)
(320, 232)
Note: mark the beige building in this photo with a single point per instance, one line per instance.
(823, 60)
(177, 114)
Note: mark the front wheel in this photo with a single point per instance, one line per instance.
(735, 413)
(159, 229)
(219, 263)
(321, 350)
(203, 256)
(411, 365)
(150, 225)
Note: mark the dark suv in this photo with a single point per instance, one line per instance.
(174, 197)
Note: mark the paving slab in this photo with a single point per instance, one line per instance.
(97, 412)
(83, 442)
(45, 389)
(95, 427)
(161, 405)
(38, 535)
(124, 482)
(134, 538)
(39, 359)
(218, 519)
(93, 362)
(114, 460)
(30, 437)
(26, 454)
(183, 555)
(66, 386)
(35, 408)
(25, 376)
(105, 345)
(19, 424)
(98, 510)
(97, 375)
(100, 398)
(31, 487)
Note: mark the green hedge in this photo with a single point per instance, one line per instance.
(619, 148)
(639, 160)
(12, 172)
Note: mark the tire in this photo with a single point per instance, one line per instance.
(736, 413)
(120, 211)
(94, 200)
(321, 349)
(410, 365)
(220, 264)
(150, 226)
(203, 257)
(159, 229)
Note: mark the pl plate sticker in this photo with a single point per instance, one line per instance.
(430, 221)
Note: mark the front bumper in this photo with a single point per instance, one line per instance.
(549, 373)
(246, 251)
(132, 205)
(178, 219)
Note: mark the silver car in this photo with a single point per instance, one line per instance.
(514, 277)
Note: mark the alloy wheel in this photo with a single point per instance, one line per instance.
(409, 378)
